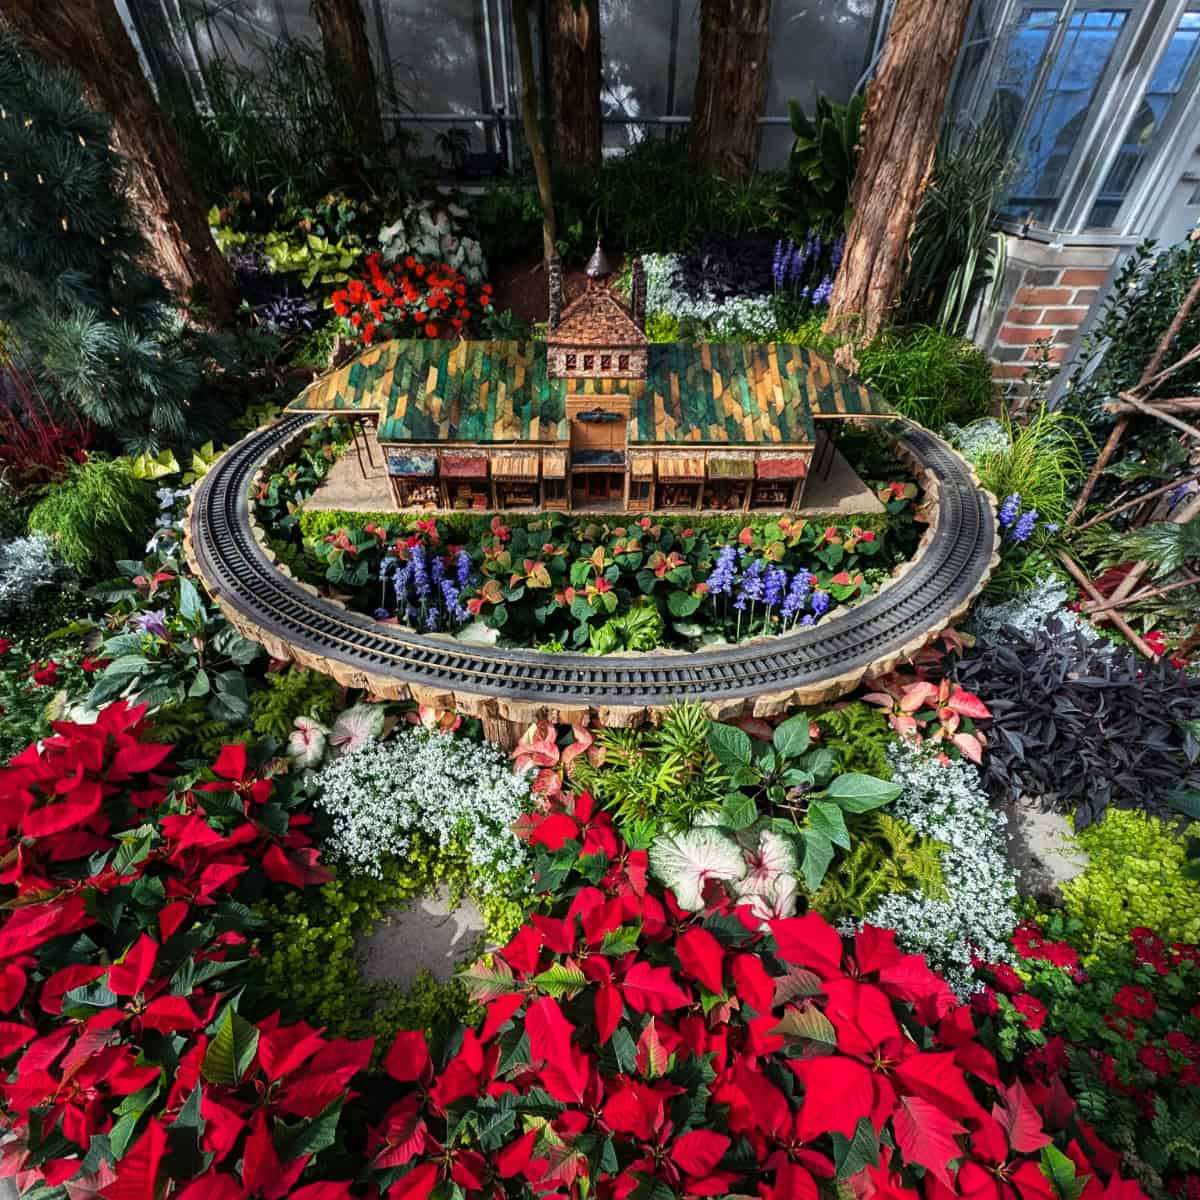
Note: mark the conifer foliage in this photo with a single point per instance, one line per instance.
(95, 328)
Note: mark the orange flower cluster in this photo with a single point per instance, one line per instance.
(412, 299)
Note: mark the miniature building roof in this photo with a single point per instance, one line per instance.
(597, 318)
(491, 392)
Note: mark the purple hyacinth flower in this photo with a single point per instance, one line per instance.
(381, 614)
(820, 603)
(776, 582)
(1009, 510)
(462, 568)
(1025, 526)
(808, 619)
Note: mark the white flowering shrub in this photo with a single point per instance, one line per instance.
(28, 565)
(726, 318)
(981, 437)
(459, 793)
(432, 234)
(1028, 612)
(977, 914)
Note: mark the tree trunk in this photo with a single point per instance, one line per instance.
(575, 81)
(88, 37)
(899, 138)
(348, 63)
(533, 130)
(731, 86)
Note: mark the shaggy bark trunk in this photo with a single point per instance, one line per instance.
(533, 130)
(900, 131)
(348, 63)
(731, 86)
(88, 37)
(575, 81)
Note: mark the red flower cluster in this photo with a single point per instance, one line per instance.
(44, 674)
(410, 299)
(5, 646)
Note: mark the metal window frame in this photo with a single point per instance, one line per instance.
(1144, 38)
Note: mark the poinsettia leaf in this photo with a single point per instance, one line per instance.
(807, 1025)
(648, 989)
(653, 1058)
(1060, 1170)
(698, 1152)
(796, 984)
(560, 979)
(926, 1136)
(1020, 1120)
(622, 940)
(701, 957)
(231, 1050)
(852, 1155)
(484, 981)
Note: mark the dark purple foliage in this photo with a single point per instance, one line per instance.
(1082, 725)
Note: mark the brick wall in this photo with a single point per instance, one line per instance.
(1048, 295)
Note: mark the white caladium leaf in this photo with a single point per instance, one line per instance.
(306, 746)
(686, 862)
(774, 856)
(357, 727)
(774, 902)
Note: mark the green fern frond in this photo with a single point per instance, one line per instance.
(860, 735)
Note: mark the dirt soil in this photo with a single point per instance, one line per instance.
(521, 286)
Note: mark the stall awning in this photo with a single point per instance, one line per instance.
(641, 466)
(464, 466)
(554, 464)
(516, 464)
(412, 464)
(686, 467)
(723, 465)
(782, 466)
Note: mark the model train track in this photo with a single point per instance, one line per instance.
(949, 571)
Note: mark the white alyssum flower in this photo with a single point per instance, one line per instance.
(445, 788)
(977, 915)
(727, 318)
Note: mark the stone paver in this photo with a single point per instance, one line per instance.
(430, 935)
(1041, 848)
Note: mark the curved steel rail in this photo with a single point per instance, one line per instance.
(948, 572)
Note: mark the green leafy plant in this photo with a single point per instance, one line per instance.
(928, 374)
(170, 646)
(1138, 873)
(859, 735)
(315, 259)
(822, 163)
(289, 694)
(886, 857)
(98, 513)
(1042, 464)
(651, 778)
(796, 789)
(955, 254)
(311, 947)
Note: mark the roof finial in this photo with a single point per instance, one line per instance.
(598, 266)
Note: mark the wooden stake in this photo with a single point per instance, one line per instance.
(1150, 410)
(1119, 621)
(1092, 607)
(1120, 508)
